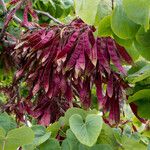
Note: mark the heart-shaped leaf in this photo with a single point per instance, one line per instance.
(15, 138)
(41, 136)
(6, 122)
(86, 132)
(78, 111)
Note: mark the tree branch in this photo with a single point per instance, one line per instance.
(48, 15)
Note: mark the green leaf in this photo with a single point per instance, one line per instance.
(104, 9)
(101, 147)
(87, 10)
(17, 137)
(128, 144)
(45, 5)
(2, 133)
(148, 148)
(59, 10)
(138, 65)
(122, 26)
(51, 144)
(2, 137)
(71, 142)
(104, 28)
(86, 132)
(53, 129)
(123, 42)
(146, 133)
(107, 137)
(140, 75)
(132, 52)
(143, 108)
(6, 122)
(143, 37)
(144, 51)
(95, 147)
(40, 137)
(66, 146)
(138, 11)
(79, 111)
(117, 134)
(68, 3)
(51, 8)
(140, 95)
(73, 111)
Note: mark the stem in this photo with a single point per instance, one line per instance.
(3, 146)
(48, 15)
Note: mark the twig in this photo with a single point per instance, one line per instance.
(17, 19)
(3, 6)
(48, 15)
(6, 22)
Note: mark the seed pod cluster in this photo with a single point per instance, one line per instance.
(61, 65)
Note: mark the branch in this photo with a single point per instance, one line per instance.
(8, 17)
(15, 18)
(12, 16)
(48, 15)
(18, 20)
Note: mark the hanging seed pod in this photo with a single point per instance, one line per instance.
(61, 63)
